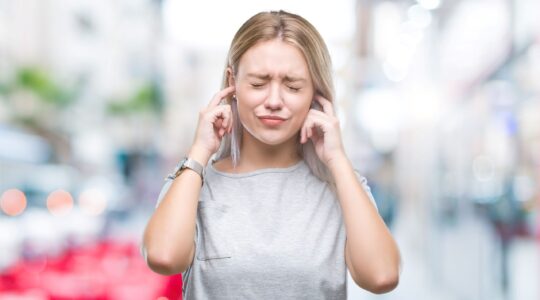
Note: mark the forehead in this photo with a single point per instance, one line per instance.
(274, 58)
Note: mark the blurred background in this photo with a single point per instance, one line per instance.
(438, 103)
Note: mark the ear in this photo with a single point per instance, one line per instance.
(314, 103)
(230, 76)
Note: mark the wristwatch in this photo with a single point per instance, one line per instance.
(189, 163)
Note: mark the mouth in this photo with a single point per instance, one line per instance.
(272, 121)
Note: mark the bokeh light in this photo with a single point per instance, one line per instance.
(92, 202)
(59, 203)
(438, 103)
(13, 202)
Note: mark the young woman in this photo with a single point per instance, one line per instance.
(279, 212)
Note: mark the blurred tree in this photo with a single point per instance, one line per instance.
(3, 89)
(35, 102)
(146, 99)
(42, 85)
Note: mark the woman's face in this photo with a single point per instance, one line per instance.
(274, 91)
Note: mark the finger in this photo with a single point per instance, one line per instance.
(225, 123)
(326, 104)
(305, 129)
(228, 118)
(315, 138)
(308, 124)
(319, 114)
(316, 126)
(302, 130)
(322, 120)
(218, 123)
(220, 112)
(226, 115)
(220, 95)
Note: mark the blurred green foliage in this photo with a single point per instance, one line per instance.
(3, 89)
(40, 83)
(146, 99)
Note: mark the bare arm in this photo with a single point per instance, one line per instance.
(371, 254)
(168, 241)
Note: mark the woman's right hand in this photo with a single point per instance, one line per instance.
(214, 121)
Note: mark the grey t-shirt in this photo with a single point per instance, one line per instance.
(274, 233)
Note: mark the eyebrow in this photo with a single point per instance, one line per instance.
(266, 77)
(294, 79)
(259, 76)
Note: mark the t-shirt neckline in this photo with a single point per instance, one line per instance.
(256, 172)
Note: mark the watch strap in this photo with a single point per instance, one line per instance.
(187, 163)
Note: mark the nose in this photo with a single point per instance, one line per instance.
(274, 101)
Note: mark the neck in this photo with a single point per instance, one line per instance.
(255, 154)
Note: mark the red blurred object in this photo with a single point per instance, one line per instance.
(108, 270)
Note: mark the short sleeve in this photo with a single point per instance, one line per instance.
(367, 189)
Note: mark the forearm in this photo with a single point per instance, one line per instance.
(169, 236)
(372, 252)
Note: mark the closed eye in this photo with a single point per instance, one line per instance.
(257, 85)
(294, 89)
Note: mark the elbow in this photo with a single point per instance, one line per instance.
(380, 283)
(385, 283)
(163, 263)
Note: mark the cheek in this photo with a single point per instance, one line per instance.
(250, 98)
(300, 111)
(299, 105)
(246, 104)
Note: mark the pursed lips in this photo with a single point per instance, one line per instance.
(272, 118)
(272, 121)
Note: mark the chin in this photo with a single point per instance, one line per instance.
(271, 138)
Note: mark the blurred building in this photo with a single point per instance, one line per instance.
(438, 102)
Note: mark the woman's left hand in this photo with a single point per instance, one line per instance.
(322, 127)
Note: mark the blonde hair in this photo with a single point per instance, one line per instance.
(297, 31)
